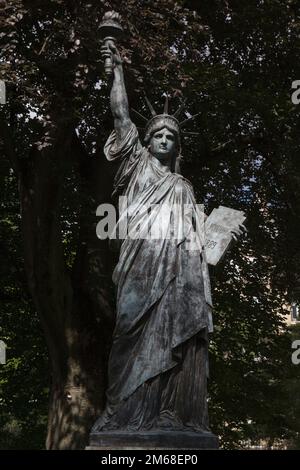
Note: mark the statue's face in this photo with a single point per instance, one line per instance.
(162, 144)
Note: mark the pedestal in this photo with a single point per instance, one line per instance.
(142, 440)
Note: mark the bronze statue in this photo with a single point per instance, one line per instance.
(158, 364)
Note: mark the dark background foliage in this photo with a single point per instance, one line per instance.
(234, 62)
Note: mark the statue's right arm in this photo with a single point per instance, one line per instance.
(118, 95)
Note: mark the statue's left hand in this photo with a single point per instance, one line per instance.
(236, 233)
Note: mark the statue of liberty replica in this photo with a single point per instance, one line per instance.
(158, 365)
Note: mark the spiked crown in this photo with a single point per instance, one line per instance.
(158, 121)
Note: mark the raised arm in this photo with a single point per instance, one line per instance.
(118, 95)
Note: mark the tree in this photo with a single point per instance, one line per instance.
(24, 380)
(235, 62)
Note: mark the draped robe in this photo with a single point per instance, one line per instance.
(158, 363)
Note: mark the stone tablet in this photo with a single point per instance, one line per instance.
(218, 227)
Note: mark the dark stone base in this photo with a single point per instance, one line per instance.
(158, 439)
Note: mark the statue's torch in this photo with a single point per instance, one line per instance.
(110, 30)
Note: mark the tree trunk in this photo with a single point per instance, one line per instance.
(74, 304)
